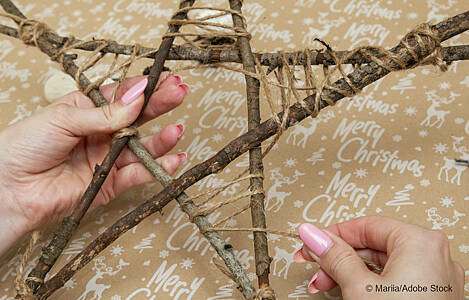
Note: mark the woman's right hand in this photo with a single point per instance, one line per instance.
(411, 255)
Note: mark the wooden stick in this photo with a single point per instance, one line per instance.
(207, 56)
(261, 248)
(360, 77)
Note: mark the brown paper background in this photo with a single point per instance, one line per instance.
(401, 100)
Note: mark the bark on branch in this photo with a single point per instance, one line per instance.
(360, 77)
(206, 56)
(261, 250)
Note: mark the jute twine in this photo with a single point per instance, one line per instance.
(29, 31)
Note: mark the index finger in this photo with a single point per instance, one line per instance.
(374, 232)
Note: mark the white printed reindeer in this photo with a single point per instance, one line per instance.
(327, 25)
(434, 15)
(452, 164)
(287, 257)
(432, 110)
(273, 193)
(101, 269)
(303, 132)
(439, 222)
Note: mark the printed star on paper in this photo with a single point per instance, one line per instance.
(70, 284)
(217, 137)
(410, 111)
(298, 203)
(164, 253)
(187, 263)
(291, 162)
(424, 182)
(117, 250)
(336, 165)
(423, 133)
(445, 85)
(464, 249)
(440, 148)
(447, 201)
(360, 173)
(155, 128)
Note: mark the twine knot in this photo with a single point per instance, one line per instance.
(129, 131)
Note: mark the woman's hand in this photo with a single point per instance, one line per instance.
(411, 255)
(48, 159)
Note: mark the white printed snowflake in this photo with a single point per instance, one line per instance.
(440, 148)
(164, 253)
(231, 223)
(293, 226)
(445, 85)
(117, 250)
(70, 284)
(116, 297)
(291, 162)
(336, 165)
(378, 210)
(298, 203)
(187, 263)
(273, 237)
(397, 138)
(409, 187)
(155, 128)
(360, 173)
(217, 137)
(424, 182)
(423, 133)
(464, 249)
(447, 202)
(410, 111)
(459, 121)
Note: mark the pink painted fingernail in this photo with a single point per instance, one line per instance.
(180, 130)
(298, 256)
(182, 157)
(134, 92)
(178, 79)
(185, 87)
(315, 239)
(311, 287)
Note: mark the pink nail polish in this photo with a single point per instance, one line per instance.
(178, 79)
(185, 87)
(182, 157)
(134, 92)
(314, 238)
(298, 256)
(181, 130)
(311, 288)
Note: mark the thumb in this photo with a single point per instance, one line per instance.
(337, 258)
(105, 119)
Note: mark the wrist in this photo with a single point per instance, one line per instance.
(13, 224)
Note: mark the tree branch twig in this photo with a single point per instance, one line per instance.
(360, 77)
(261, 248)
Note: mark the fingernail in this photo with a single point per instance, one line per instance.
(178, 79)
(134, 92)
(311, 287)
(180, 129)
(314, 238)
(182, 157)
(185, 87)
(298, 256)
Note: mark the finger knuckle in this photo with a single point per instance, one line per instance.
(339, 260)
(438, 239)
(108, 116)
